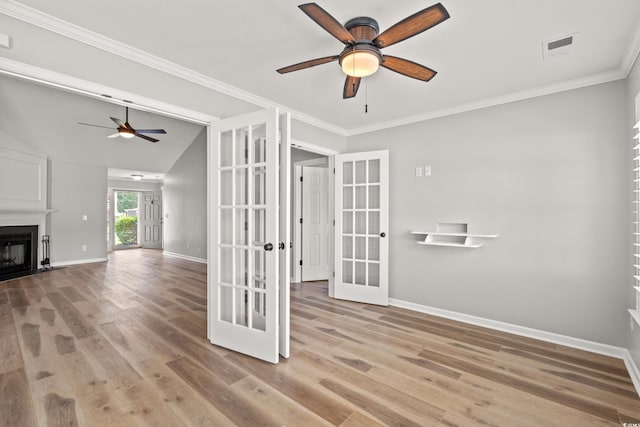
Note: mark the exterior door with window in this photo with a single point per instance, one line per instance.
(362, 221)
(243, 286)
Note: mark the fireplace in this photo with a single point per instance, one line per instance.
(18, 251)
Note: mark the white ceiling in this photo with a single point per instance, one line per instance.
(487, 49)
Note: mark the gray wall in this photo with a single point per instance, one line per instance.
(77, 190)
(185, 202)
(547, 175)
(310, 134)
(633, 89)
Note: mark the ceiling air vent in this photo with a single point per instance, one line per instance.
(560, 46)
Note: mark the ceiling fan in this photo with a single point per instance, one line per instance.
(125, 130)
(361, 56)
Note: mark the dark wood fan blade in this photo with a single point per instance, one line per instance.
(97, 126)
(328, 22)
(151, 131)
(308, 64)
(414, 24)
(148, 138)
(351, 85)
(408, 68)
(117, 121)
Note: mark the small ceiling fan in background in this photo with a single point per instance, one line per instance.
(125, 130)
(361, 55)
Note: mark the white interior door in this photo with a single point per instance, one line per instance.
(243, 299)
(151, 220)
(315, 223)
(362, 220)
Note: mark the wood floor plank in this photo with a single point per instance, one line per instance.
(90, 384)
(270, 400)
(329, 409)
(236, 407)
(71, 316)
(393, 397)
(196, 351)
(189, 405)
(16, 406)
(10, 354)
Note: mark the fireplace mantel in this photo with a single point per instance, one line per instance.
(27, 211)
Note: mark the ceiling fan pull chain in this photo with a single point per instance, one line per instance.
(366, 96)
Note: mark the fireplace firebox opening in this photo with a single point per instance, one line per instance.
(18, 251)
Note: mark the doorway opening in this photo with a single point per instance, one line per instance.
(312, 217)
(134, 219)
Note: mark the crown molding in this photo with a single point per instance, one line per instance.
(83, 87)
(48, 22)
(492, 102)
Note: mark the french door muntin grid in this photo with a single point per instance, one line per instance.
(242, 204)
(361, 223)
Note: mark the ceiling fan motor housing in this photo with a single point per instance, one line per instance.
(364, 30)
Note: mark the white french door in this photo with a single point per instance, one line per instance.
(244, 306)
(362, 220)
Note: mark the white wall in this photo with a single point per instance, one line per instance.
(77, 190)
(185, 202)
(547, 175)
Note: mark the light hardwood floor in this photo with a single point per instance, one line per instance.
(124, 343)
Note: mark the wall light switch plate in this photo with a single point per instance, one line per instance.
(84, 217)
(418, 171)
(427, 171)
(5, 41)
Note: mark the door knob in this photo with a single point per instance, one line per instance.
(281, 246)
(383, 235)
(268, 247)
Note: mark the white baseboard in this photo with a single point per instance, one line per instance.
(77, 262)
(594, 347)
(632, 368)
(187, 257)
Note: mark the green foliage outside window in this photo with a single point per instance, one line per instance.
(127, 230)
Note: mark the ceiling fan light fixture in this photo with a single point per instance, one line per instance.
(136, 177)
(360, 63)
(126, 133)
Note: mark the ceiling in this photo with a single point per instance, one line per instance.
(487, 49)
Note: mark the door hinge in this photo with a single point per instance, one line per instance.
(300, 262)
(334, 222)
(246, 226)
(334, 171)
(300, 220)
(246, 153)
(300, 179)
(334, 274)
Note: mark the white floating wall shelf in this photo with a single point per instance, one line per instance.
(453, 235)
